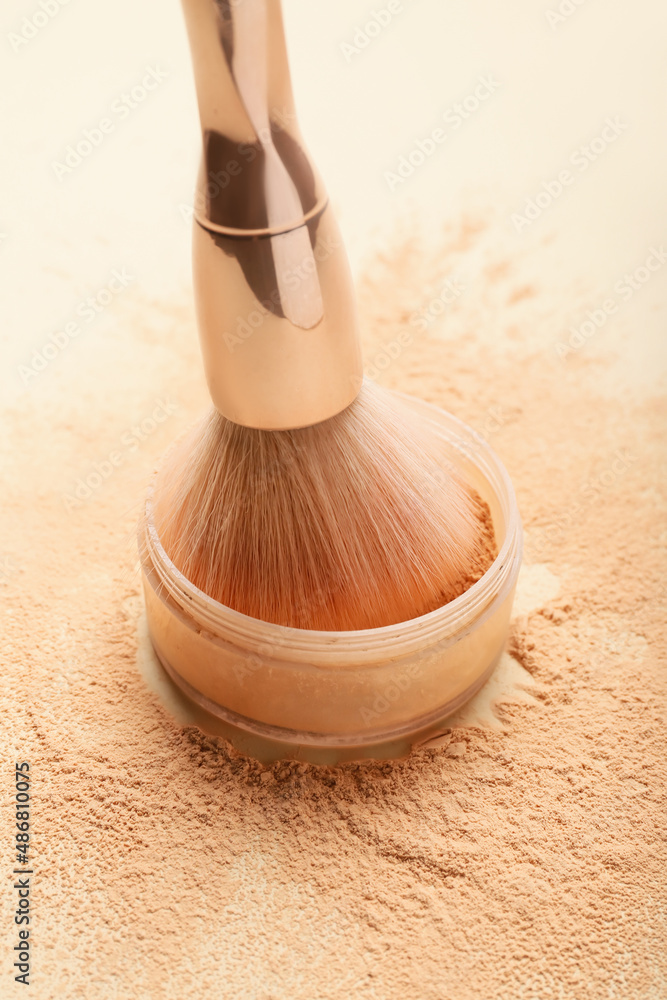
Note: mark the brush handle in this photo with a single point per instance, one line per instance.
(256, 176)
(274, 296)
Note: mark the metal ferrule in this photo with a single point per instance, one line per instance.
(273, 291)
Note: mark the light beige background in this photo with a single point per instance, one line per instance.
(123, 205)
(507, 862)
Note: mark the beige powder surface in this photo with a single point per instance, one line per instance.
(521, 855)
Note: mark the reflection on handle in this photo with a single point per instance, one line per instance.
(275, 304)
(256, 176)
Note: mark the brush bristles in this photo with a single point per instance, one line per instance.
(354, 523)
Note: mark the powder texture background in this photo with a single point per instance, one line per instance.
(522, 855)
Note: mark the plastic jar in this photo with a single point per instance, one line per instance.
(324, 697)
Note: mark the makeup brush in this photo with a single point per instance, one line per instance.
(308, 497)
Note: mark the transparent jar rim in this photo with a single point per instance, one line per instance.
(451, 620)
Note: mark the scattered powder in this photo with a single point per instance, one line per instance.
(485, 551)
(521, 856)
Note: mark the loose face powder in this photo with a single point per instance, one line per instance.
(521, 855)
